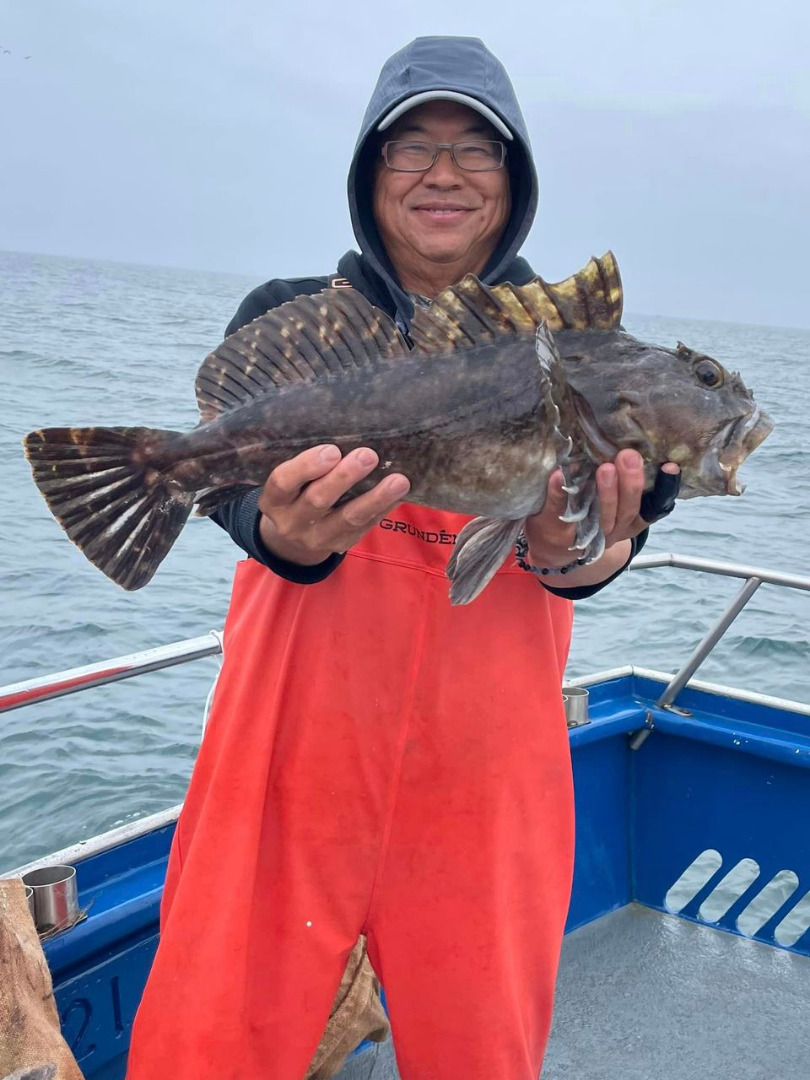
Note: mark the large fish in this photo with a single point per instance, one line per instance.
(502, 385)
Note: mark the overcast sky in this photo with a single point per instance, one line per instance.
(216, 134)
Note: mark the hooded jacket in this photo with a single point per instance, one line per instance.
(464, 66)
(458, 65)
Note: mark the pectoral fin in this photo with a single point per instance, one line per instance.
(482, 546)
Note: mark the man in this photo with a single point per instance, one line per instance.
(378, 762)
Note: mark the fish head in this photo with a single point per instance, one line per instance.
(674, 405)
(712, 425)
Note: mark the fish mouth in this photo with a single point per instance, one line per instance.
(740, 438)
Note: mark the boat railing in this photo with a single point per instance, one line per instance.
(28, 692)
(752, 576)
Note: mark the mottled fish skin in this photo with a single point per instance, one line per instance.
(418, 415)
(477, 415)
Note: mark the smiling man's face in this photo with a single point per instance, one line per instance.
(441, 224)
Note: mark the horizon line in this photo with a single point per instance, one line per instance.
(242, 274)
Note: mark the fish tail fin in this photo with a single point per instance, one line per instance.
(480, 550)
(105, 488)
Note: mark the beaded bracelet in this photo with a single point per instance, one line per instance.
(522, 550)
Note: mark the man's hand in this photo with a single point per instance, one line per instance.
(300, 522)
(620, 487)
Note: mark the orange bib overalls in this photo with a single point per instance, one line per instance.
(376, 762)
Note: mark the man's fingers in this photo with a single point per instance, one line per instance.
(367, 509)
(286, 481)
(322, 494)
(625, 509)
(556, 531)
(344, 526)
(301, 516)
(549, 538)
(607, 487)
(630, 485)
(556, 498)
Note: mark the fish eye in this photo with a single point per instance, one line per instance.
(709, 373)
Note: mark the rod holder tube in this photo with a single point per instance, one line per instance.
(56, 897)
(575, 703)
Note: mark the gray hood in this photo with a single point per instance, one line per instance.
(466, 66)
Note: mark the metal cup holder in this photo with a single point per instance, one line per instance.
(575, 701)
(54, 897)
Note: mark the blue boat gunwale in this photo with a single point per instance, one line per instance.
(99, 966)
(121, 870)
(95, 845)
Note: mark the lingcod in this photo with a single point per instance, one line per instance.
(494, 388)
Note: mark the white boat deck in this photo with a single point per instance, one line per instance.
(646, 996)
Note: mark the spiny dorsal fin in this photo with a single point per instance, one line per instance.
(589, 300)
(471, 313)
(307, 339)
(462, 315)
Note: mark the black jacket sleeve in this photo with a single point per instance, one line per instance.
(240, 517)
(270, 295)
(584, 591)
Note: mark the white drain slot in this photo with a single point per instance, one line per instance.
(730, 889)
(766, 903)
(795, 924)
(692, 880)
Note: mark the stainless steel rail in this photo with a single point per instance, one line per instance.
(754, 577)
(71, 681)
(16, 695)
(725, 569)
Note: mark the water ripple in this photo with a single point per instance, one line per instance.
(104, 343)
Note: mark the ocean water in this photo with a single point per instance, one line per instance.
(90, 342)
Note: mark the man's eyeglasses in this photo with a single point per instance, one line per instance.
(407, 155)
